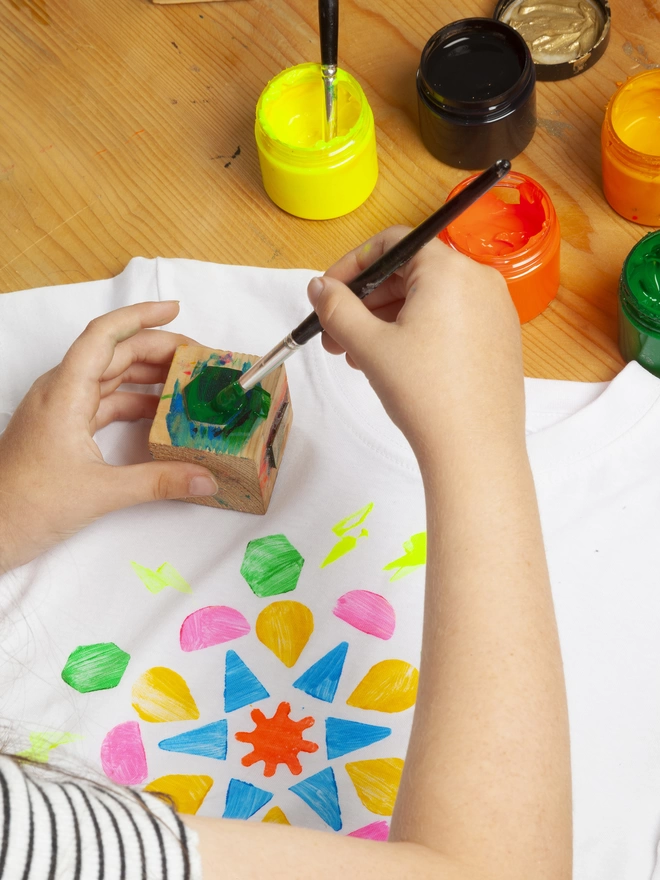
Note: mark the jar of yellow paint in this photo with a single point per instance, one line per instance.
(630, 144)
(302, 173)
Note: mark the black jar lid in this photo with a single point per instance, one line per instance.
(541, 22)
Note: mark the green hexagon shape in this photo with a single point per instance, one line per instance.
(271, 565)
(95, 667)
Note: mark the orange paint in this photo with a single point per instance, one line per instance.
(630, 149)
(514, 229)
(277, 740)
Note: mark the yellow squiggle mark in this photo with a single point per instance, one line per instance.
(41, 745)
(348, 542)
(165, 575)
(413, 558)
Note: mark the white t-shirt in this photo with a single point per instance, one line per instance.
(193, 640)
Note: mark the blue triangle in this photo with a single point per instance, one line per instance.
(342, 737)
(209, 741)
(322, 679)
(241, 685)
(243, 800)
(320, 793)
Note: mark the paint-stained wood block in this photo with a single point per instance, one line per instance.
(245, 459)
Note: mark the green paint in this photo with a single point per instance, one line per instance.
(95, 667)
(166, 396)
(214, 396)
(228, 439)
(639, 304)
(342, 547)
(165, 575)
(41, 745)
(413, 558)
(271, 566)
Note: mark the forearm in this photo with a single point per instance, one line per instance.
(487, 778)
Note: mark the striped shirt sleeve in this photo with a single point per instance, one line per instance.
(54, 827)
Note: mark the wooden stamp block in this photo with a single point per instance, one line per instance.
(244, 458)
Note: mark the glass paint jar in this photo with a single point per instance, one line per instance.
(302, 173)
(476, 93)
(514, 229)
(639, 304)
(630, 149)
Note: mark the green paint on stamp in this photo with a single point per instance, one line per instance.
(271, 566)
(95, 667)
(214, 397)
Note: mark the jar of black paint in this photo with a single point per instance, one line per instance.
(476, 93)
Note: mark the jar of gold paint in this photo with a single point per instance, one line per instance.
(302, 173)
(514, 229)
(639, 304)
(630, 149)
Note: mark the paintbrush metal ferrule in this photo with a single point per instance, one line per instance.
(329, 74)
(269, 362)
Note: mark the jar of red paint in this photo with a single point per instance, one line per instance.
(514, 229)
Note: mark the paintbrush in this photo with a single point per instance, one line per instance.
(232, 397)
(329, 35)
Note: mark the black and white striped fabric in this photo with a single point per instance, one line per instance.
(56, 828)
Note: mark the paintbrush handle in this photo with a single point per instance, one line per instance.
(329, 31)
(404, 250)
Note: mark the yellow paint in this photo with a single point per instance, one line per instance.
(376, 783)
(348, 542)
(389, 686)
(187, 792)
(165, 575)
(160, 694)
(630, 149)
(41, 745)
(636, 115)
(285, 628)
(276, 816)
(413, 558)
(302, 173)
(353, 520)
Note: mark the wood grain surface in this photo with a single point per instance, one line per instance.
(127, 129)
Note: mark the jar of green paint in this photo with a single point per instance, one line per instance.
(639, 304)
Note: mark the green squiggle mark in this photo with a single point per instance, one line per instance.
(342, 547)
(348, 542)
(414, 557)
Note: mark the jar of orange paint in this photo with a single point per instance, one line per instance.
(630, 149)
(514, 229)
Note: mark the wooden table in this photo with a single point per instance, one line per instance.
(127, 128)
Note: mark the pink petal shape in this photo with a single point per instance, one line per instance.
(122, 754)
(375, 831)
(212, 625)
(368, 612)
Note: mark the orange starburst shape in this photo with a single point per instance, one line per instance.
(277, 740)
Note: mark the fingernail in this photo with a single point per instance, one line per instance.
(315, 289)
(167, 301)
(202, 486)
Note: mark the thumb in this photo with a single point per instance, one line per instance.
(343, 315)
(157, 481)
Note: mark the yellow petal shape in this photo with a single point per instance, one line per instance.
(389, 686)
(276, 816)
(376, 783)
(160, 694)
(285, 628)
(187, 792)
